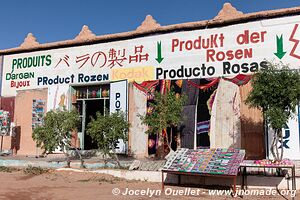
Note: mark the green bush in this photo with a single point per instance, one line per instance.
(166, 113)
(276, 91)
(106, 130)
(8, 169)
(57, 131)
(35, 170)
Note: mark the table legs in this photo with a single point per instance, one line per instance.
(234, 186)
(162, 180)
(293, 179)
(242, 175)
(244, 178)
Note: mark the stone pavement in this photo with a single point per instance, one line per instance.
(59, 161)
(91, 162)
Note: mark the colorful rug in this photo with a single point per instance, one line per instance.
(203, 127)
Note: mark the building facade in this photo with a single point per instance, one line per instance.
(211, 61)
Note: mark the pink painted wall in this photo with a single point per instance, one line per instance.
(23, 118)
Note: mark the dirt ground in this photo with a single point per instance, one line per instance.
(65, 185)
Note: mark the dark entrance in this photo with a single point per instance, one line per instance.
(205, 100)
(92, 107)
(89, 100)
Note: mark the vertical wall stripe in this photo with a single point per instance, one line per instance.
(299, 123)
(1, 73)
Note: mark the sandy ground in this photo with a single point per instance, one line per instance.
(65, 185)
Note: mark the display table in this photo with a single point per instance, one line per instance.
(218, 162)
(265, 164)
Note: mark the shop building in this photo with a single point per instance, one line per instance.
(211, 61)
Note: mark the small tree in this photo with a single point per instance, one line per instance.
(166, 113)
(276, 91)
(57, 131)
(106, 130)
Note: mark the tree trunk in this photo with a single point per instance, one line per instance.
(167, 138)
(68, 160)
(171, 138)
(80, 157)
(281, 144)
(117, 158)
(160, 146)
(266, 137)
(273, 146)
(79, 154)
(178, 140)
(276, 145)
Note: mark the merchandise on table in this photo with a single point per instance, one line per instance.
(208, 161)
(268, 163)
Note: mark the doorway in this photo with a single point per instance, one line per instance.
(204, 106)
(89, 100)
(92, 107)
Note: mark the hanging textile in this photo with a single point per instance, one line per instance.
(138, 139)
(203, 127)
(204, 86)
(210, 101)
(188, 114)
(164, 86)
(152, 143)
(225, 127)
(240, 79)
(146, 86)
(179, 83)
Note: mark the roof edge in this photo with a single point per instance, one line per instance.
(159, 29)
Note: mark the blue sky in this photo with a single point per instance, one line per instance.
(55, 20)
